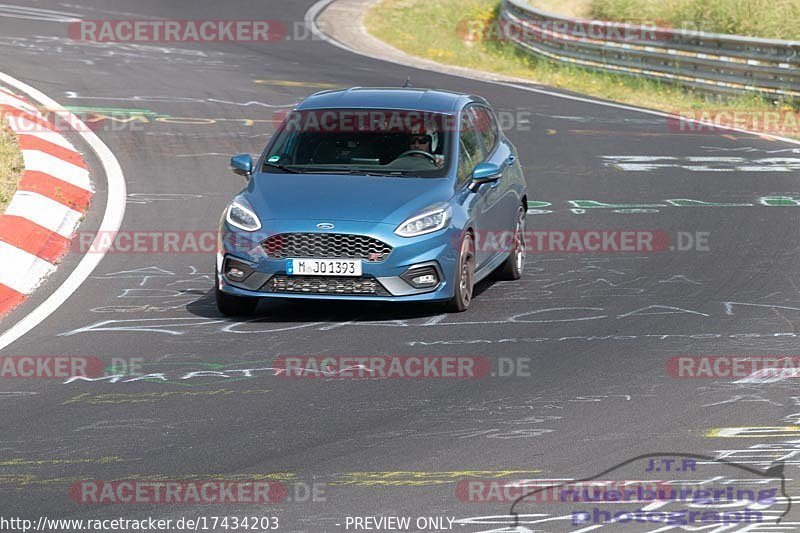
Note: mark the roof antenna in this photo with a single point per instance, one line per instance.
(407, 83)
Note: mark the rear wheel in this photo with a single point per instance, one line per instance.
(465, 276)
(231, 305)
(514, 264)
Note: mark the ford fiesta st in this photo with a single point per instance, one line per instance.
(375, 194)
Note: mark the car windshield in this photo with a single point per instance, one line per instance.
(362, 141)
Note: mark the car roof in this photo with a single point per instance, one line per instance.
(430, 100)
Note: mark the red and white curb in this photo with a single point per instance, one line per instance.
(51, 199)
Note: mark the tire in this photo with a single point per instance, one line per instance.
(512, 267)
(231, 305)
(464, 278)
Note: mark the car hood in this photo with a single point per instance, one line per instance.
(328, 197)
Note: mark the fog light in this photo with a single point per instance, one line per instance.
(236, 274)
(424, 281)
(422, 278)
(236, 270)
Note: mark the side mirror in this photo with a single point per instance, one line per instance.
(242, 164)
(484, 173)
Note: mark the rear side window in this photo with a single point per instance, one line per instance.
(485, 126)
(471, 151)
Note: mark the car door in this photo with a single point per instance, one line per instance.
(470, 153)
(499, 206)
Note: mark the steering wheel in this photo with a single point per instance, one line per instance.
(418, 152)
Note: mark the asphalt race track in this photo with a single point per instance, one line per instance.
(595, 330)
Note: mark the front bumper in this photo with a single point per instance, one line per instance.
(380, 281)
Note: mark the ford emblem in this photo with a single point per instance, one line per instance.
(325, 225)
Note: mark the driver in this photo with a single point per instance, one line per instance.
(425, 141)
(420, 142)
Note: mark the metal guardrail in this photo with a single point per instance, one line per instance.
(708, 61)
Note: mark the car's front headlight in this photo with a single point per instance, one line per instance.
(430, 220)
(242, 215)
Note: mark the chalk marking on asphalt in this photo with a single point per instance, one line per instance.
(290, 83)
(34, 13)
(146, 197)
(112, 217)
(180, 99)
(49, 462)
(116, 398)
(754, 432)
(18, 480)
(140, 326)
(421, 478)
(220, 154)
(128, 424)
(16, 394)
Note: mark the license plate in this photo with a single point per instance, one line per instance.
(323, 267)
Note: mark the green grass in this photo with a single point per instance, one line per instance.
(11, 165)
(570, 8)
(756, 18)
(428, 28)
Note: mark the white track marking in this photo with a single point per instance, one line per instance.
(112, 218)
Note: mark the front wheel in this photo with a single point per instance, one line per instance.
(465, 275)
(514, 264)
(231, 305)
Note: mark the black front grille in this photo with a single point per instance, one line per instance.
(326, 245)
(325, 285)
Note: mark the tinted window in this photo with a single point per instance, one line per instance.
(465, 163)
(471, 150)
(332, 141)
(485, 125)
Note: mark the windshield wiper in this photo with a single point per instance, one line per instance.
(282, 167)
(379, 172)
(357, 172)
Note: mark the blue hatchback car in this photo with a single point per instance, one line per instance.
(383, 194)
